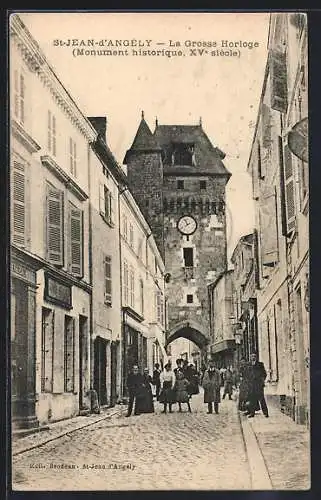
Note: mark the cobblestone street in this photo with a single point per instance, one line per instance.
(155, 451)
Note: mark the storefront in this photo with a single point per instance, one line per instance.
(23, 338)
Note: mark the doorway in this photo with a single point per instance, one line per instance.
(83, 358)
(100, 369)
(113, 361)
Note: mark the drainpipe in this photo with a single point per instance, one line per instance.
(90, 261)
(122, 347)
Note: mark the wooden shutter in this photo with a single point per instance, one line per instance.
(278, 74)
(111, 208)
(76, 240)
(266, 125)
(269, 229)
(102, 199)
(289, 190)
(69, 353)
(19, 204)
(59, 353)
(47, 350)
(54, 225)
(108, 282)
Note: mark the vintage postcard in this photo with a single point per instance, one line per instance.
(159, 251)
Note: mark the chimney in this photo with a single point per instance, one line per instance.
(100, 124)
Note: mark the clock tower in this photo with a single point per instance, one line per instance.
(190, 181)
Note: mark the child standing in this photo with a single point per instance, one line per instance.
(181, 391)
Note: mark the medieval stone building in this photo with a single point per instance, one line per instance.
(178, 180)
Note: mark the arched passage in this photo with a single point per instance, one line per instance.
(190, 330)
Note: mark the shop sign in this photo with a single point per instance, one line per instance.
(19, 270)
(58, 292)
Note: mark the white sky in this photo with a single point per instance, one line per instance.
(224, 91)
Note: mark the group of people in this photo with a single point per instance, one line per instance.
(171, 386)
(178, 385)
(251, 387)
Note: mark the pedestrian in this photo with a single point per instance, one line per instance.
(228, 383)
(211, 385)
(192, 377)
(181, 391)
(167, 394)
(257, 376)
(243, 385)
(156, 380)
(135, 389)
(222, 371)
(146, 404)
(179, 366)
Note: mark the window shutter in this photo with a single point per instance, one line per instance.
(289, 187)
(278, 74)
(54, 225)
(266, 125)
(108, 284)
(102, 199)
(48, 351)
(269, 229)
(112, 211)
(69, 354)
(18, 204)
(76, 240)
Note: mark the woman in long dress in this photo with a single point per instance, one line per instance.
(167, 380)
(181, 391)
(146, 404)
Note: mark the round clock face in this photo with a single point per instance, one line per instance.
(187, 225)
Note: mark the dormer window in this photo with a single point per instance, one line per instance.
(183, 154)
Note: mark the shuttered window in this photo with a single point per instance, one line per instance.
(108, 281)
(126, 281)
(47, 342)
(18, 210)
(69, 355)
(269, 229)
(54, 215)
(131, 235)
(132, 287)
(289, 187)
(76, 240)
(106, 203)
(278, 73)
(266, 125)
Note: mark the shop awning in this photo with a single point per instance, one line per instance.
(298, 139)
(223, 345)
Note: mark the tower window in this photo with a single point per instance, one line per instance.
(189, 298)
(183, 154)
(202, 184)
(188, 257)
(180, 184)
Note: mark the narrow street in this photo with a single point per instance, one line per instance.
(151, 452)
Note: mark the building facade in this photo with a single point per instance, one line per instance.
(50, 278)
(280, 191)
(143, 294)
(222, 320)
(178, 179)
(245, 306)
(106, 182)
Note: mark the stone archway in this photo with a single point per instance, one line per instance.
(190, 330)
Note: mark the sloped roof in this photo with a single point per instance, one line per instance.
(143, 141)
(247, 238)
(208, 159)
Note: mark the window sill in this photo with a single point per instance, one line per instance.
(108, 221)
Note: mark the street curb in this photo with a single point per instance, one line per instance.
(65, 433)
(260, 477)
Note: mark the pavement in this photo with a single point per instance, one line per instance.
(285, 448)
(178, 451)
